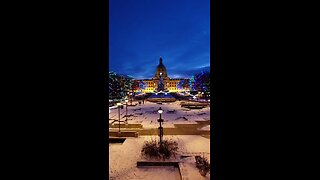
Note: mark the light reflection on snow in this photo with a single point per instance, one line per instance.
(147, 116)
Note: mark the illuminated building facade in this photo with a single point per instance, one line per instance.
(161, 78)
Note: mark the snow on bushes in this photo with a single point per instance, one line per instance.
(153, 149)
(203, 165)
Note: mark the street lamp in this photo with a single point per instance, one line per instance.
(160, 120)
(131, 98)
(126, 111)
(119, 106)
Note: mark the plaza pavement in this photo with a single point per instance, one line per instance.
(178, 129)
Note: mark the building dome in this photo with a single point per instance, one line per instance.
(161, 69)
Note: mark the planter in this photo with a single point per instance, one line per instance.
(116, 140)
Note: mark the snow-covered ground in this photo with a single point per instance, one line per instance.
(147, 115)
(123, 159)
(206, 128)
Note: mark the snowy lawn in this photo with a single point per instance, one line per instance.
(147, 115)
(123, 158)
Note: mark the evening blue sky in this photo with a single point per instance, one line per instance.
(140, 31)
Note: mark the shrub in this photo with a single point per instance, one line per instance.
(170, 148)
(153, 149)
(203, 165)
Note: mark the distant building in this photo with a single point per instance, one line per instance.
(161, 78)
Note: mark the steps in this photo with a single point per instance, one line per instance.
(115, 125)
(114, 133)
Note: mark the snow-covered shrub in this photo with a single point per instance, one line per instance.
(153, 149)
(170, 148)
(150, 148)
(203, 165)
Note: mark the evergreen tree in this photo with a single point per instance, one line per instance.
(119, 85)
(135, 85)
(202, 82)
(114, 86)
(183, 84)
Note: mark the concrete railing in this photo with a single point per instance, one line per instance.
(123, 134)
(116, 125)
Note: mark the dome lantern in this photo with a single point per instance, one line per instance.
(161, 69)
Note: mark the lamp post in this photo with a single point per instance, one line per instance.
(128, 95)
(160, 120)
(119, 106)
(126, 111)
(130, 98)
